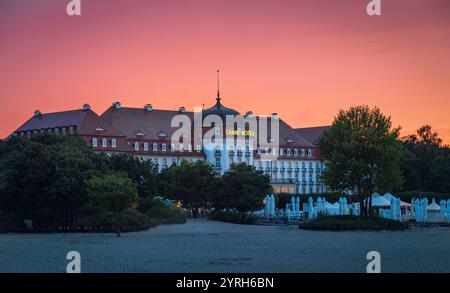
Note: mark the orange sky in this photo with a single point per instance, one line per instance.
(304, 59)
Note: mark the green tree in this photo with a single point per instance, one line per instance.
(242, 188)
(191, 183)
(47, 173)
(115, 193)
(143, 173)
(422, 148)
(440, 174)
(362, 154)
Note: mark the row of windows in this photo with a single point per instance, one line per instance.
(59, 130)
(279, 164)
(104, 142)
(156, 147)
(303, 152)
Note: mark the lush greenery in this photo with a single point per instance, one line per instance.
(363, 154)
(59, 181)
(117, 194)
(350, 223)
(233, 216)
(241, 188)
(426, 162)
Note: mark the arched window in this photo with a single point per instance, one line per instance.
(288, 152)
(309, 152)
(295, 152)
(303, 152)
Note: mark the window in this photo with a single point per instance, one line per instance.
(199, 148)
(155, 147)
(71, 130)
(113, 143)
(217, 131)
(164, 147)
(295, 152)
(303, 152)
(288, 152)
(136, 146)
(145, 146)
(309, 152)
(281, 151)
(181, 147)
(172, 147)
(190, 148)
(104, 143)
(217, 161)
(259, 151)
(94, 142)
(266, 151)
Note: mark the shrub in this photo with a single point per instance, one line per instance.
(351, 223)
(129, 220)
(157, 211)
(232, 217)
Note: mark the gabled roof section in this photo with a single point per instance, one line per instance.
(155, 125)
(312, 134)
(87, 122)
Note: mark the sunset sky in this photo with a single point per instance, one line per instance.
(304, 59)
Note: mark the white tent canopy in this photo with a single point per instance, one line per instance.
(379, 201)
(434, 206)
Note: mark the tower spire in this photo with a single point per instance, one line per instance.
(218, 86)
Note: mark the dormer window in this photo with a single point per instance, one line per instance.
(99, 129)
(139, 133)
(162, 134)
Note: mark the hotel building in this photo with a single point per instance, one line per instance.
(148, 133)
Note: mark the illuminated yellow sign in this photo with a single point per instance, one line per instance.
(247, 133)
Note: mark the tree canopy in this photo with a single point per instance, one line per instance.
(242, 188)
(362, 153)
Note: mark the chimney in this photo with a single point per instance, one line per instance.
(117, 105)
(37, 114)
(275, 116)
(249, 114)
(182, 110)
(86, 107)
(148, 108)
